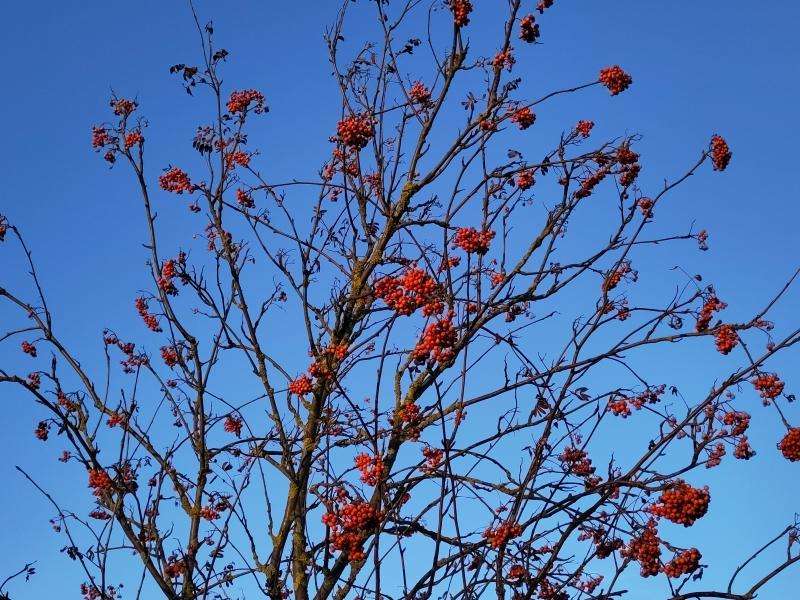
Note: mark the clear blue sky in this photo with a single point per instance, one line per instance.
(725, 66)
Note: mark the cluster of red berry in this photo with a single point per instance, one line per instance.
(615, 79)
(629, 167)
(371, 468)
(584, 128)
(351, 524)
(415, 289)
(471, 240)
(420, 95)
(623, 271)
(116, 419)
(790, 445)
(738, 422)
(209, 513)
(42, 430)
(437, 342)
(176, 181)
(702, 239)
(169, 355)
(233, 424)
(355, 131)
(769, 386)
(503, 60)
(244, 199)
(237, 158)
(100, 137)
(682, 503)
(720, 153)
(577, 461)
(646, 206)
(710, 306)
(133, 138)
(523, 117)
(301, 386)
(29, 348)
(588, 184)
(725, 338)
(501, 534)
(408, 416)
(646, 550)
(433, 457)
(174, 568)
(461, 10)
(743, 450)
(525, 180)
(683, 563)
(123, 107)
(544, 4)
(149, 319)
(528, 29)
(99, 481)
(240, 102)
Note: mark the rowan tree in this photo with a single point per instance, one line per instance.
(474, 411)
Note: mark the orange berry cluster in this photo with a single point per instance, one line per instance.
(544, 4)
(502, 534)
(584, 128)
(420, 94)
(682, 504)
(415, 289)
(209, 513)
(523, 118)
(743, 450)
(517, 572)
(525, 180)
(169, 355)
(116, 419)
(99, 481)
(502, 60)
(613, 279)
(133, 138)
(123, 107)
(433, 457)
(720, 153)
(615, 79)
(29, 348)
(528, 29)
(646, 550)
(715, 455)
(769, 386)
(42, 430)
(710, 306)
(739, 422)
(790, 445)
(176, 181)
(577, 461)
(237, 158)
(233, 425)
(337, 351)
(101, 138)
(683, 563)
(437, 342)
(461, 10)
(471, 240)
(408, 415)
(725, 338)
(244, 199)
(350, 525)
(239, 102)
(588, 184)
(355, 131)
(301, 386)
(371, 468)
(149, 319)
(646, 206)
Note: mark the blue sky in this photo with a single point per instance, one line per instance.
(699, 68)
